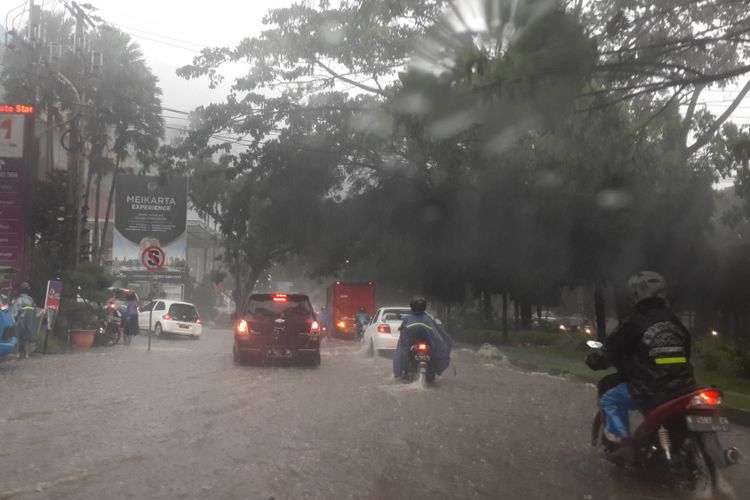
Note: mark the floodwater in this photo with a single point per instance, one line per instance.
(183, 421)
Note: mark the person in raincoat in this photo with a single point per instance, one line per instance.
(130, 319)
(326, 320)
(420, 326)
(24, 314)
(361, 320)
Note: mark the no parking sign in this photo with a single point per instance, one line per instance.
(153, 258)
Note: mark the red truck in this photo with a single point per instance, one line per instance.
(344, 301)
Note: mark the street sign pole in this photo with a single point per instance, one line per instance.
(150, 314)
(152, 258)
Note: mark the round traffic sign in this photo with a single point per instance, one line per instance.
(153, 258)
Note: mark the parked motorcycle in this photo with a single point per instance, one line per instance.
(8, 341)
(418, 364)
(680, 437)
(110, 328)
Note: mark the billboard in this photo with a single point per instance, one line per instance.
(16, 125)
(150, 211)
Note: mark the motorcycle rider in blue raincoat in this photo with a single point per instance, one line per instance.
(361, 320)
(420, 326)
(326, 320)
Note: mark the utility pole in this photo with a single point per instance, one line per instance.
(75, 135)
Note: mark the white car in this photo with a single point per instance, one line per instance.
(170, 317)
(382, 333)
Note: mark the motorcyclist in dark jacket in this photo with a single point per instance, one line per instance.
(651, 350)
(420, 326)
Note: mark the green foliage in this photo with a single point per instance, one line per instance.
(524, 146)
(711, 352)
(204, 298)
(85, 293)
(740, 356)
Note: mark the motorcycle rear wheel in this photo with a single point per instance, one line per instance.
(699, 473)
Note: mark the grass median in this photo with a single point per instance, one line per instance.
(563, 354)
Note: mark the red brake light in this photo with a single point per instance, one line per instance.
(199, 321)
(241, 327)
(706, 398)
(167, 317)
(384, 329)
(279, 297)
(422, 347)
(315, 327)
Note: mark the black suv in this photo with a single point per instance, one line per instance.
(276, 326)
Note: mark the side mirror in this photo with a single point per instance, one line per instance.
(593, 344)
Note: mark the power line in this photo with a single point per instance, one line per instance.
(159, 35)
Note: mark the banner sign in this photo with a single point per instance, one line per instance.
(52, 300)
(52, 304)
(150, 213)
(16, 122)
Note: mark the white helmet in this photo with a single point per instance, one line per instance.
(647, 284)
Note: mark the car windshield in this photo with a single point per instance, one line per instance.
(395, 314)
(289, 306)
(543, 173)
(183, 312)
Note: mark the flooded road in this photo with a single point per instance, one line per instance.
(184, 422)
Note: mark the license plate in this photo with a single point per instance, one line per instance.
(184, 326)
(707, 423)
(422, 357)
(279, 353)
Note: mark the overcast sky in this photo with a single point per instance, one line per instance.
(172, 32)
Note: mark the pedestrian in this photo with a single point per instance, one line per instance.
(24, 314)
(130, 319)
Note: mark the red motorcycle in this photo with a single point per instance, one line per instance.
(680, 437)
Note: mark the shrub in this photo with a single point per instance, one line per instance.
(740, 353)
(710, 352)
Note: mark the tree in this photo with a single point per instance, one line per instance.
(126, 116)
(656, 54)
(121, 107)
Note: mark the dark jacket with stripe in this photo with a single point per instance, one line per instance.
(651, 350)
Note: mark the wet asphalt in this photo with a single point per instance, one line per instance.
(183, 421)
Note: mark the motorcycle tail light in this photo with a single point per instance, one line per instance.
(709, 398)
(384, 329)
(422, 347)
(242, 327)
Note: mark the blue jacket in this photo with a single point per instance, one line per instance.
(362, 319)
(6, 321)
(420, 326)
(326, 319)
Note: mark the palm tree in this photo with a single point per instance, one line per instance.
(126, 120)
